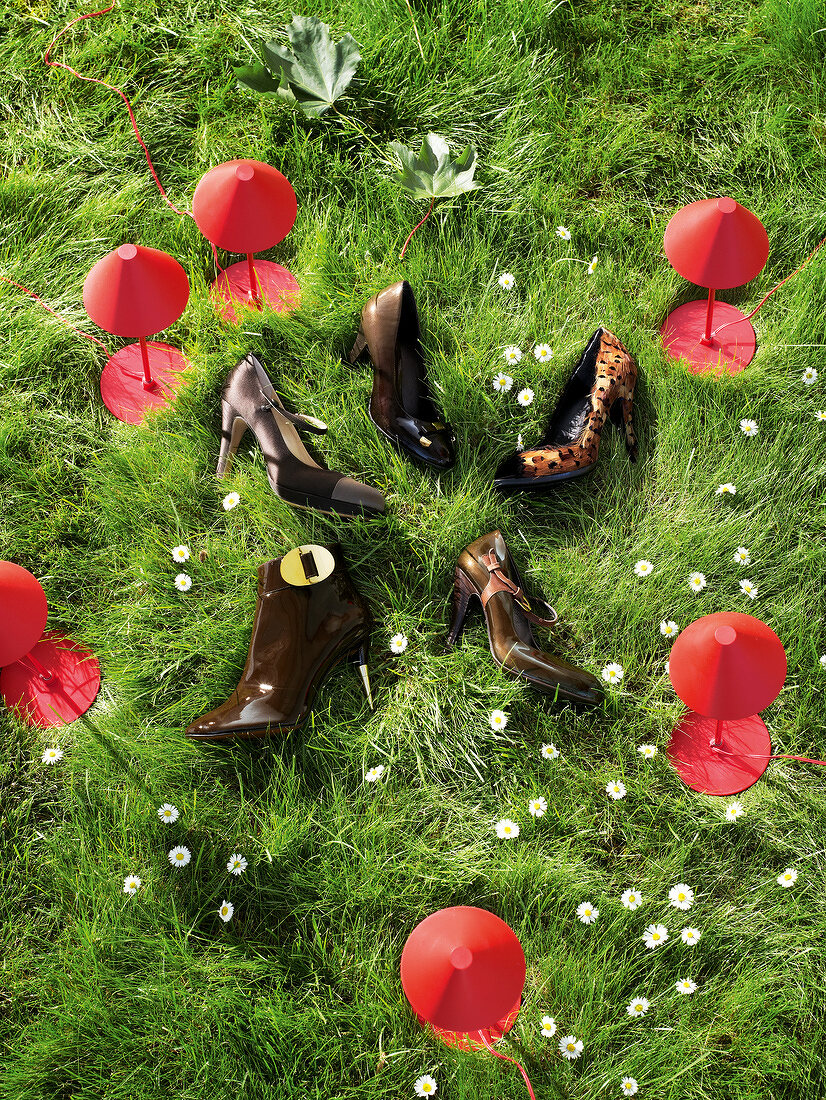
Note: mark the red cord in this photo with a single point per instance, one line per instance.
(415, 227)
(31, 294)
(513, 1061)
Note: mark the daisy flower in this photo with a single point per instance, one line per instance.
(512, 355)
(502, 382)
(237, 864)
(592, 266)
(748, 588)
(787, 878)
(498, 720)
(507, 830)
(643, 568)
(726, 487)
(681, 896)
(398, 643)
(543, 352)
(506, 280)
(550, 752)
(131, 884)
(525, 397)
(548, 1027)
(749, 428)
(669, 629)
(615, 789)
(690, 936)
(613, 673)
(631, 899)
(587, 913)
(638, 1007)
(179, 857)
(697, 582)
(519, 443)
(742, 556)
(225, 910)
(809, 376)
(820, 414)
(374, 774)
(183, 582)
(570, 1047)
(563, 232)
(537, 807)
(685, 985)
(823, 661)
(655, 935)
(629, 1086)
(230, 501)
(168, 813)
(180, 553)
(734, 810)
(425, 1086)
(647, 752)
(51, 756)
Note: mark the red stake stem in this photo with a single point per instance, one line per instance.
(148, 380)
(42, 672)
(255, 290)
(706, 340)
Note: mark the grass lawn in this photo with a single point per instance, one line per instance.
(601, 116)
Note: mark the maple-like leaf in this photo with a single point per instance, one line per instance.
(434, 173)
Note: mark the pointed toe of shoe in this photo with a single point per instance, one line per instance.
(355, 496)
(508, 471)
(441, 453)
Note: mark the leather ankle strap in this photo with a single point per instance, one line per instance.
(498, 582)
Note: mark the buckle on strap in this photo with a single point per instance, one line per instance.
(498, 582)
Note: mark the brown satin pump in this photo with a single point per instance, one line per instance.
(309, 619)
(400, 405)
(486, 572)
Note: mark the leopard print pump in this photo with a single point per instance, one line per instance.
(600, 388)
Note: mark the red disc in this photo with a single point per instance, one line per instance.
(231, 292)
(474, 1040)
(69, 692)
(135, 291)
(716, 243)
(683, 330)
(743, 755)
(244, 206)
(23, 611)
(122, 381)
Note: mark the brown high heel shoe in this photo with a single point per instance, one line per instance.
(486, 572)
(400, 405)
(250, 401)
(600, 388)
(309, 619)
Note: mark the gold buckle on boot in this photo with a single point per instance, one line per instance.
(307, 565)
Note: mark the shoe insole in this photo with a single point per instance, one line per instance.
(570, 422)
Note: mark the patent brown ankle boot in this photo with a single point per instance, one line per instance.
(309, 619)
(486, 572)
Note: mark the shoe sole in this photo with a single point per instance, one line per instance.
(538, 482)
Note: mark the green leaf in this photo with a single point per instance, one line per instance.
(316, 71)
(434, 174)
(257, 77)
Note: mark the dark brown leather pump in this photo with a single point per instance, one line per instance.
(400, 405)
(486, 572)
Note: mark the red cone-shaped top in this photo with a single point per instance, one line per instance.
(463, 969)
(23, 612)
(716, 243)
(244, 206)
(135, 291)
(727, 665)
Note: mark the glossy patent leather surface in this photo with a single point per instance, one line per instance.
(298, 635)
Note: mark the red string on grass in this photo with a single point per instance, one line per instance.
(415, 227)
(513, 1061)
(31, 294)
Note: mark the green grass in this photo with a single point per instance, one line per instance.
(602, 117)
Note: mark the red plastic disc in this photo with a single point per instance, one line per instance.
(135, 291)
(70, 691)
(743, 756)
(683, 331)
(23, 611)
(473, 1040)
(716, 243)
(278, 287)
(121, 383)
(244, 206)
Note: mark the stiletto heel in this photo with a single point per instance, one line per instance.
(233, 429)
(463, 589)
(359, 347)
(359, 658)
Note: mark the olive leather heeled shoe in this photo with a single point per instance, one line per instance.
(309, 619)
(486, 572)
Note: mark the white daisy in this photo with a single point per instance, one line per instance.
(748, 588)
(506, 829)
(548, 1027)
(725, 488)
(519, 443)
(592, 266)
(498, 720)
(685, 985)
(183, 582)
(638, 1007)
(131, 884)
(647, 752)
(512, 354)
(374, 774)
(690, 936)
(820, 414)
(734, 810)
(180, 553)
(809, 376)
(655, 935)
(749, 428)
(570, 1047)
(613, 673)
(643, 568)
(631, 899)
(225, 910)
(168, 813)
(787, 878)
(51, 756)
(742, 556)
(669, 629)
(179, 857)
(550, 752)
(563, 232)
(697, 582)
(681, 896)
(230, 501)
(525, 397)
(615, 789)
(506, 280)
(629, 1086)
(587, 913)
(425, 1086)
(398, 643)
(543, 352)
(502, 382)
(537, 807)
(237, 864)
